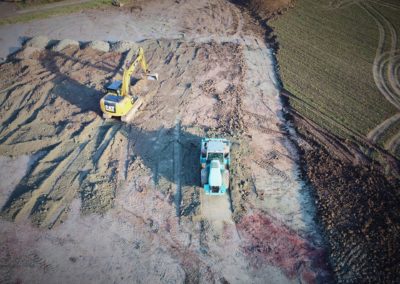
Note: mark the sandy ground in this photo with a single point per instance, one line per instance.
(92, 201)
(156, 19)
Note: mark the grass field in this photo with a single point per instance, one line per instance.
(340, 61)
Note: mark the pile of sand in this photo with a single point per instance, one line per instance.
(64, 43)
(122, 46)
(40, 42)
(99, 45)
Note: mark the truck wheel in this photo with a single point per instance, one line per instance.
(204, 177)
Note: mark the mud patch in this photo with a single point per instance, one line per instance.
(267, 241)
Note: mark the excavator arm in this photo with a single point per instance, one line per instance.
(126, 79)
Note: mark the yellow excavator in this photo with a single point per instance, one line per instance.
(118, 102)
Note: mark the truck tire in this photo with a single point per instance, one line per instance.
(204, 177)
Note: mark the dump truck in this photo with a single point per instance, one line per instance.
(215, 161)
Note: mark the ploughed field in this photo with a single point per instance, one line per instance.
(340, 62)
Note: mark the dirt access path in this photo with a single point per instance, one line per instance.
(104, 201)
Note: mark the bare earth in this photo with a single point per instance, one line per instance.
(92, 201)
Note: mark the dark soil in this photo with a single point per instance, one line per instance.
(359, 210)
(266, 9)
(269, 241)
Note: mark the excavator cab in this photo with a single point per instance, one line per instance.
(115, 88)
(113, 103)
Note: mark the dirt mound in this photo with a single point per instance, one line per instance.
(122, 46)
(62, 126)
(27, 53)
(99, 45)
(62, 44)
(268, 8)
(40, 42)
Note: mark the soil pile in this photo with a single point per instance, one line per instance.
(99, 45)
(267, 8)
(64, 43)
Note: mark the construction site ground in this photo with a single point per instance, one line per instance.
(88, 200)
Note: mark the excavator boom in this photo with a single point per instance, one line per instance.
(140, 58)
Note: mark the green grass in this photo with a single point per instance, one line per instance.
(22, 18)
(325, 60)
(27, 4)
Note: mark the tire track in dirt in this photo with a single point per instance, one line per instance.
(53, 172)
(237, 19)
(105, 141)
(74, 165)
(385, 67)
(384, 70)
(49, 184)
(379, 130)
(338, 4)
(392, 59)
(393, 144)
(385, 4)
(377, 68)
(389, 63)
(32, 99)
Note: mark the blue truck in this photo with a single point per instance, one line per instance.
(215, 160)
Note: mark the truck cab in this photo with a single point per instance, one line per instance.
(215, 162)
